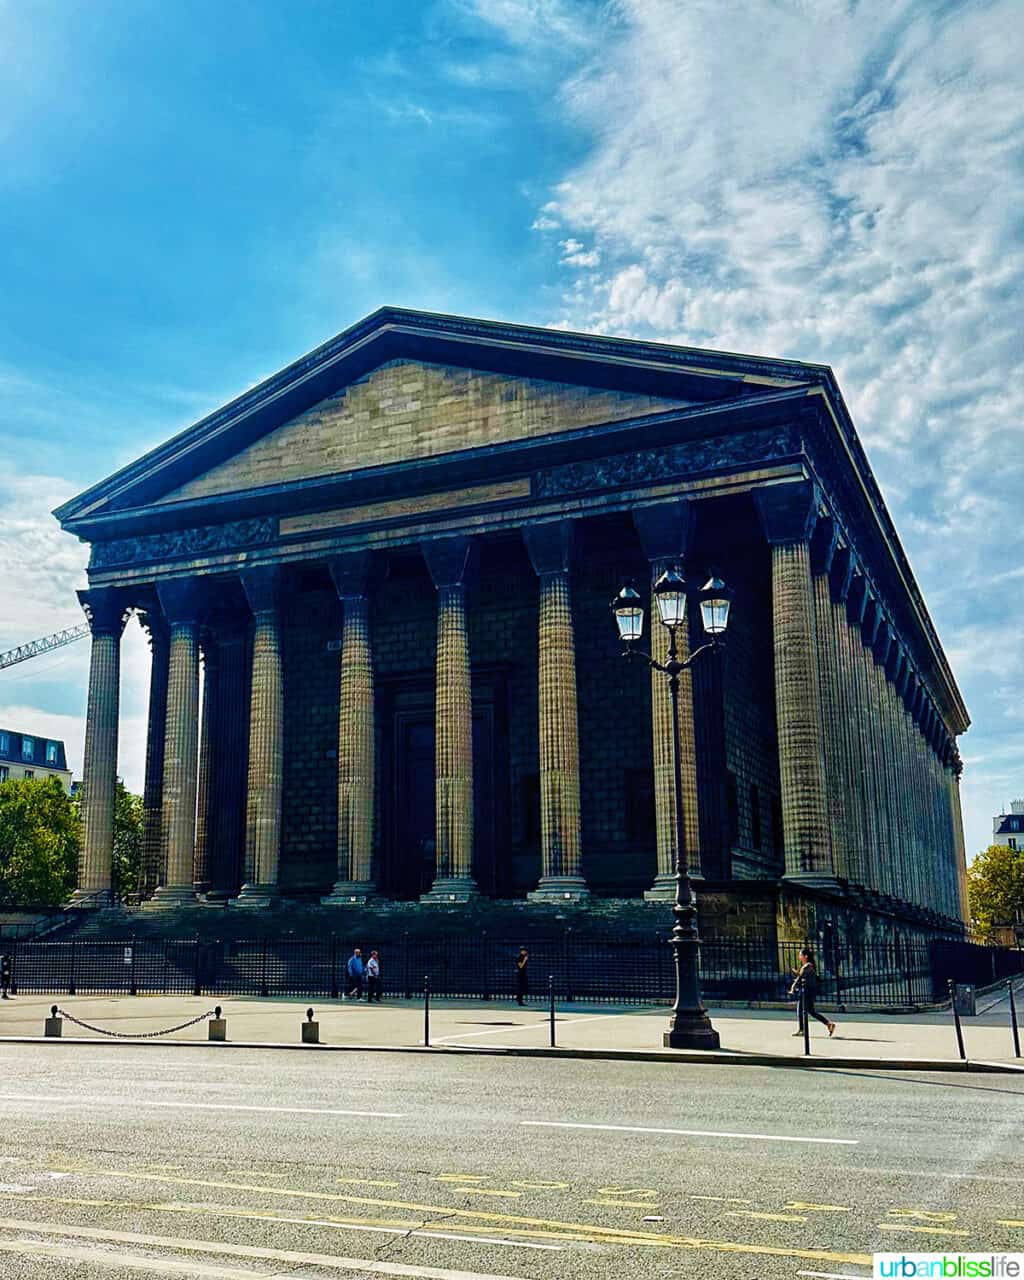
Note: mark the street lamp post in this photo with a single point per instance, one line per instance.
(689, 1027)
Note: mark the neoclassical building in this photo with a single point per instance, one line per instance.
(393, 562)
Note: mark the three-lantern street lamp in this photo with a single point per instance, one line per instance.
(689, 1027)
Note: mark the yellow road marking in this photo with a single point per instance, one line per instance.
(483, 1191)
(818, 1208)
(926, 1215)
(543, 1186)
(360, 1182)
(611, 1235)
(647, 1192)
(721, 1199)
(1008, 1222)
(459, 1177)
(764, 1217)
(623, 1204)
(931, 1231)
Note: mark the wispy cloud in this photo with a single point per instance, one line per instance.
(838, 183)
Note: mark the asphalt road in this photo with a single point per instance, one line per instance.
(133, 1161)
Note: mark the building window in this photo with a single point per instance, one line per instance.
(30, 773)
(51, 753)
(28, 749)
(755, 816)
(3, 773)
(1012, 843)
(5, 744)
(732, 806)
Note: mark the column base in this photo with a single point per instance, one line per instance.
(350, 893)
(560, 889)
(664, 887)
(691, 1031)
(256, 896)
(167, 896)
(448, 889)
(813, 880)
(90, 899)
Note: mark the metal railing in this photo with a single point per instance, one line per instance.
(481, 967)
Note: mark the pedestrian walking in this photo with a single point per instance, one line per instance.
(355, 975)
(522, 975)
(807, 980)
(373, 978)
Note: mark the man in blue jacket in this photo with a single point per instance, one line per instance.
(355, 975)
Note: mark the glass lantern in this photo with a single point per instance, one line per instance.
(670, 593)
(629, 615)
(715, 599)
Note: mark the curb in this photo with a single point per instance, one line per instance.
(689, 1057)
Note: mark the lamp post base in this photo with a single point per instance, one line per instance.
(691, 1031)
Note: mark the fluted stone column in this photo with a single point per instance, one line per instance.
(448, 562)
(840, 574)
(151, 869)
(665, 530)
(229, 767)
(356, 741)
(105, 609)
(823, 548)
(550, 547)
(180, 604)
(857, 602)
(960, 851)
(206, 813)
(266, 750)
(788, 513)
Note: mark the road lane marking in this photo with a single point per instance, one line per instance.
(460, 1177)
(721, 1199)
(601, 1234)
(359, 1182)
(689, 1133)
(523, 1026)
(764, 1217)
(818, 1208)
(76, 1099)
(212, 1247)
(926, 1215)
(1009, 1222)
(542, 1186)
(623, 1204)
(648, 1193)
(483, 1191)
(925, 1231)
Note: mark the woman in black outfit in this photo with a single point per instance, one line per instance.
(807, 977)
(522, 979)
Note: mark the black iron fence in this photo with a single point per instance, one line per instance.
(627, 969)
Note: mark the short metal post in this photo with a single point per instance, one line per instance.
(804, 1020)
(956, 1020)
(1013, 1018)
(551, 1006)
(217, 1026)
(310, 1029)
(426, 1010)
(53, 1024)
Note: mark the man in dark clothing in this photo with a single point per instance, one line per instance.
(522, 978)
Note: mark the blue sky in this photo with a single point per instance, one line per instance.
(191, 195)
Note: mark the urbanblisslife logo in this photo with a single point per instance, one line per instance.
(948, 1266)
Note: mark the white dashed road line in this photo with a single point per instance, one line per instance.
(690, 1133)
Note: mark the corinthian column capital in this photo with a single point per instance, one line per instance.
(106, 609)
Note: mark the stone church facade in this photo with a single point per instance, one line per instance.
(393, 562)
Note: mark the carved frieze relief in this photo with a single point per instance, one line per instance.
(652, 466)
(236, 535)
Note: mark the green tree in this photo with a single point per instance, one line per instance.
(39, 839)
(995, 887)
(127, 840)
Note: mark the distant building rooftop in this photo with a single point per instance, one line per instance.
(29, 749)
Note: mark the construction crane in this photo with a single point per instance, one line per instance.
(35, 647)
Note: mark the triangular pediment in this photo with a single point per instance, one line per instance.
(407, 411)
(407, 386)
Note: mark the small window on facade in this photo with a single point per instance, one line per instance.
(28, 749)
(732, 805)
(5, 744)
(51, 753)
(3, 773)
(755, 816)
(30, 773)
(1012, 843)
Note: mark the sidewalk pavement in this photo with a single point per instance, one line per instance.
(590, 1030)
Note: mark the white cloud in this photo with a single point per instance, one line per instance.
(838, 183)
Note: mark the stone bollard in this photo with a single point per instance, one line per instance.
(310, 1029)
(52, 1025)
(218, 1026)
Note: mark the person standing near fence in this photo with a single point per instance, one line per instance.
(355, 975)
(807, 980)
(373, 978)
(522, 975)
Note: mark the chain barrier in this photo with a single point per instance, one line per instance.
(132, 1035)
